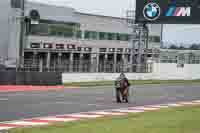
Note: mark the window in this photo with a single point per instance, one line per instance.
(47, 45)
(60, 33)
(79, 34)
(60, 46)
(53, 32)
(123, 37)
(111, 36)
(68, 33)
(128, 50)
(157, 39)
(120, 50)
(103, 36)
(118, 36)
(106, 36)
(88, 49)
(39, 29)
(87, 34)
(112, 50)
(35, 45)
(102, 49)
(79, 49)
(71, 46)
(154, 39)
(94, 35)
(91, 35)
(61, 30)
(127, 37)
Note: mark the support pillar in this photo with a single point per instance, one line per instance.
(105, 62)
(131, 62)
(71, 59)
(59, 61)
(81, 62)
(35, 59)
(48, 61)
(40, 65)
(93, 64)
(106, 57)
(139, 53)
(125, 62)
(97, 62)
(115, 62)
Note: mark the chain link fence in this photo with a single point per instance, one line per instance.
(78, 66)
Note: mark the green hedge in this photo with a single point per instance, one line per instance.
(133, 82)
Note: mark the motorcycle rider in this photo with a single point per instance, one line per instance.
(122, 85)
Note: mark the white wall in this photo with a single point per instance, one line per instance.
(4, 27)
(160, 72)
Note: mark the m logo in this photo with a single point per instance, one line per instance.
(179, 11)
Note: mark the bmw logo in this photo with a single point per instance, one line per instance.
(151, 11)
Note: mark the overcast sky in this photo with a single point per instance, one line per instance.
(104, 7)
(182, 33)
(172, 33)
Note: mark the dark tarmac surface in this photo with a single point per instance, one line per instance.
(23, 105)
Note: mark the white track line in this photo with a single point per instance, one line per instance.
(145, 108)
(174, 105)
(198, 101)
(58, 119)
(5, 128)
(104, 113)
(84, 116)
(94, 114)
(159, 106)
(195, 103)
(27, 123)
(186, 103)
(129, 111)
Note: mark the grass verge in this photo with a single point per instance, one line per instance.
(174, 120)
(134, 82)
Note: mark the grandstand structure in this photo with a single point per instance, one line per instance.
(60, 39)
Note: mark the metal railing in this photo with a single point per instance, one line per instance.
(84, 66)
(178, 61)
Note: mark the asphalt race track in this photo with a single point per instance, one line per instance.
(23, 105)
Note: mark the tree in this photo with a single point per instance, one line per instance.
(182, 47)
(194, 47)
(173, 46)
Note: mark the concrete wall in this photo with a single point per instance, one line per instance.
(4, 30)
(14, 35)
(160, 72)
(9, 30)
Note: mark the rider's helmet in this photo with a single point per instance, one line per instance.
(122, 76)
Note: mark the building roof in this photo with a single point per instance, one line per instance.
(104, 16)
(60, 13)
(51, 12)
